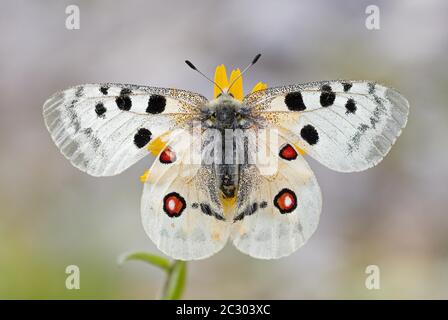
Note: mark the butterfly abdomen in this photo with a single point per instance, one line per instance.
(228, 175)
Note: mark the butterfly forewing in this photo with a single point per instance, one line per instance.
(104, 128)
(346, 125)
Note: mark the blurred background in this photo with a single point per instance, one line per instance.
(52, 215)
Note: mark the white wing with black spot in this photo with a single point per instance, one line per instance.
(276, 213)
(181, 208)
(346, 125)
(104, 128)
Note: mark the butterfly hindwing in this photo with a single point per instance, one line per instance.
(104, 128)
(276, 213)
(346, 125)
(181, 210)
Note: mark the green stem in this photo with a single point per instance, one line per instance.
(153, 259)
(176, 272)
(175, 281)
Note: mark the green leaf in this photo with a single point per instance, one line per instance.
(175, 284)
(153, 259)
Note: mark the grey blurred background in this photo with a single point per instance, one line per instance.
(52, 215)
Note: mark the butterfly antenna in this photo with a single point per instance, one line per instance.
(254, 61)
(192, 66)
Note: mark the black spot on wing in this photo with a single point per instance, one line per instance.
(327, 96)
(156, 104)
(100, 109)
(350, 106)
(294, 101)
(249, 210)
(123, 101)
(206, 209)
(142, 137)
(347, 86)
(263, 204)
(309, 134)
(125, 91)
(104, 90)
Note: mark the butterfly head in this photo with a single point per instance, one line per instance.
(227, 110)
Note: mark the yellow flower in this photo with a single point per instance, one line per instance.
(144, 177)
(237, 88)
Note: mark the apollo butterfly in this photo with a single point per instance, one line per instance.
(191, 208)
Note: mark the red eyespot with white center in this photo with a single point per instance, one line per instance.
(174, 204)
(167, 156)
(285, 201)
(287, 152)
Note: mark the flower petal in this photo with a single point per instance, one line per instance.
(259, 86)
(237, 88)
(157, 145)
(220, 79)
(144, 177)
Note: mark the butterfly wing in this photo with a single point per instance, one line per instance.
(181, 209)
(104, 128)
(276, 212)
(346, 125)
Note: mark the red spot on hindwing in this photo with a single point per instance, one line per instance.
(287, 152)
(167, 155)
(174, 204)
(285, 201)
